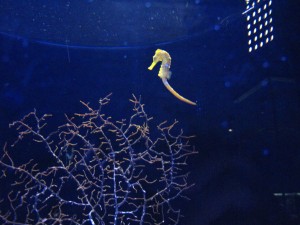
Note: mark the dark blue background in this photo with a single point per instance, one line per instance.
(236, 173)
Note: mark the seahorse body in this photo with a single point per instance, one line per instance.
(165, 73)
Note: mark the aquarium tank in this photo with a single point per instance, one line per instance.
(149, 112)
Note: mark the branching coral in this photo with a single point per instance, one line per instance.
(99, 171)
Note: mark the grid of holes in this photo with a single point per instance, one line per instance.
(259, 19)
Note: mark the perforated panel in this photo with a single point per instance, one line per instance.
(259, 23)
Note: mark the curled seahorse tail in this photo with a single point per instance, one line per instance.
(167, 85)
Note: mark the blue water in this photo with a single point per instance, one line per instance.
(246, 120)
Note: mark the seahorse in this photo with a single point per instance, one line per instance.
(165, 73)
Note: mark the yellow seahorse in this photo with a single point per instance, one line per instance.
(165, 73)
